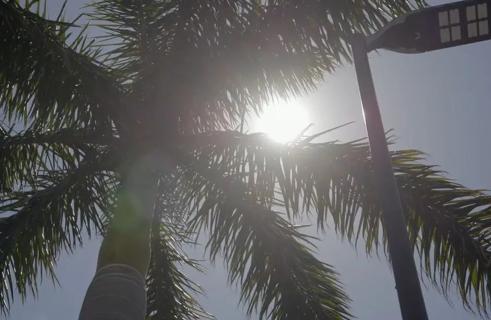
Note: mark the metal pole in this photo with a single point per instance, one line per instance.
(408, 288)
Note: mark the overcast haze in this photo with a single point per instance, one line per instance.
(436, 102)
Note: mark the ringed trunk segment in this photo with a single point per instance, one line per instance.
(124, 255)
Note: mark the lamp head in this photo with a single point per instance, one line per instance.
(434, 28)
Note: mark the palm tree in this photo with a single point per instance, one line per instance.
(136, 139)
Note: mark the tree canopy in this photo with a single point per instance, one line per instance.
(173, 79)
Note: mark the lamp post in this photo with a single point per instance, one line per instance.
(428, 29)
(406, 276)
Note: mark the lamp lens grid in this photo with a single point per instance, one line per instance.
(477, 20)
(450, 29)
(477, 23)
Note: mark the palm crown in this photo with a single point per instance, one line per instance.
(173, 79)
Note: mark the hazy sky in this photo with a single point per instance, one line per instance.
(436, 102)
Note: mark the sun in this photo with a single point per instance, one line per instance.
(283, 122)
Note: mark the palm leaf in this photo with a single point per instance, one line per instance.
(449, 224)
(271, 259)
(37, 223)
(219, 59)
(48, 76)
(169, 291)
(24, 154)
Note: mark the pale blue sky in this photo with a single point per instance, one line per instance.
(437, 102)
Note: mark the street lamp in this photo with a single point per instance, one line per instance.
(434, 28)
(428, 29)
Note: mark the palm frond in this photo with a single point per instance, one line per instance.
(51, 216)
(169, 291)
(137, 34)
(48, 77)
(134, 34)
(215, 60)
(271, 259)
(450, 227)
(448, 223)
(24, 154)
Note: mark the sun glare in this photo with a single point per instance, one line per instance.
(283, 122)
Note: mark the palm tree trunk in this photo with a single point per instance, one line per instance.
(125, 251)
